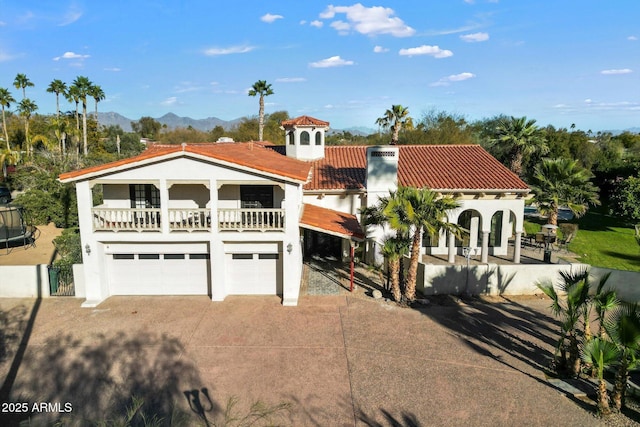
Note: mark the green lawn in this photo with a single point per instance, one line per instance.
(603, 241)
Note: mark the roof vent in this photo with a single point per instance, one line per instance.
(224, 139)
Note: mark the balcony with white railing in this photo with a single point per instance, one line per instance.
(187, 219)
(126, 219)
(251, 219)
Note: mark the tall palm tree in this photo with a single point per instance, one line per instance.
(426, 212)
(600, 354)
(26, 108)
(624, 330)
(394, 249)
(262, 88)
(5, 102)
(83, 85)
(22, 82)
(394, 119)
(73, 95)
(562, 182)
(517, 138)
(58, 87)
(575, 288)
(98, 95)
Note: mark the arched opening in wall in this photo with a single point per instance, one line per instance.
(291, 137)
(318, 138)
(470, 221)
(495, 235)
(304, 138)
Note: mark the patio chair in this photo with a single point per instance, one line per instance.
(539, 241)
(564, 242)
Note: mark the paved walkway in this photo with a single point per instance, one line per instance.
(338, 360)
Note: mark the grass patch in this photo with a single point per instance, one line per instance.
(602, 241)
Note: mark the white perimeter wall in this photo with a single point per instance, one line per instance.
(23, 281)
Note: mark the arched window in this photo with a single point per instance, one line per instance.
(304, 138)
(318, 138)
(291, 137)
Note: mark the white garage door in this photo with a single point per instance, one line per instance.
(254, 270)
(157, 270)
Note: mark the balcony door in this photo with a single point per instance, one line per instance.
(144, 196)
(256, 196)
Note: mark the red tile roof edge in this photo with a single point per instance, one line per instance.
(158, 151)
(331, 221)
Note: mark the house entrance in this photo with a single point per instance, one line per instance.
(321, 245)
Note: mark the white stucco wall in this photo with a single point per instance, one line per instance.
(345, 202)
(24, 281)
(194, 177)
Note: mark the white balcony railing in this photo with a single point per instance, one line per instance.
(251, 219)
(139, 219)
(122, 219)
(190, 219)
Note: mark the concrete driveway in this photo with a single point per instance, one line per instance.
(337, 360)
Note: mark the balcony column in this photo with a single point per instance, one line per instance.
(164, 206)
(216, 248)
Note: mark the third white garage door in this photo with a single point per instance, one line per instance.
(253, 269)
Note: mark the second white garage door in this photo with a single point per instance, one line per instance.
(253, 270)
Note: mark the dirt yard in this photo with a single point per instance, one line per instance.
(42, 253)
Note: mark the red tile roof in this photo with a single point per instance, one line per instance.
(332, 222)
(305, 121)
(249, 154)
(439, 167)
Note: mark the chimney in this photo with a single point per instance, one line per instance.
(382, 171)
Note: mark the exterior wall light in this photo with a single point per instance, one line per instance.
(87, 249)
(289, 248)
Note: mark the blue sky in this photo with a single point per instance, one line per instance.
(559, 62)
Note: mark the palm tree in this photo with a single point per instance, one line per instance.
(58, 87)
(73, 95)
(600, 354)
(5, 102)
(26, 108)
(262, 88)
(425, 212)
(604, 301)
(624, 330)
(517, 138)
(394, 119)
(394, 249)
(575, 287)
(98, 95)
(83, 85)
(562, 182)
(22, 82)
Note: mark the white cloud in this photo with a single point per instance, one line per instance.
(291, 80)
(334, 61)
(70, 17)
(445, 81)
(341, 27)
(71, 55)
(632, 38)
(270, 18)
(475, 37)
(172, 100)
(616, 71)
(368, 20)
(214, 51)
(380, 49)
(434, 51)
(316, 23)
(114, 69)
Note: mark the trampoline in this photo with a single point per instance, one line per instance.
(14, 230)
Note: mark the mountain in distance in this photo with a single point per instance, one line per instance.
(171, 120)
